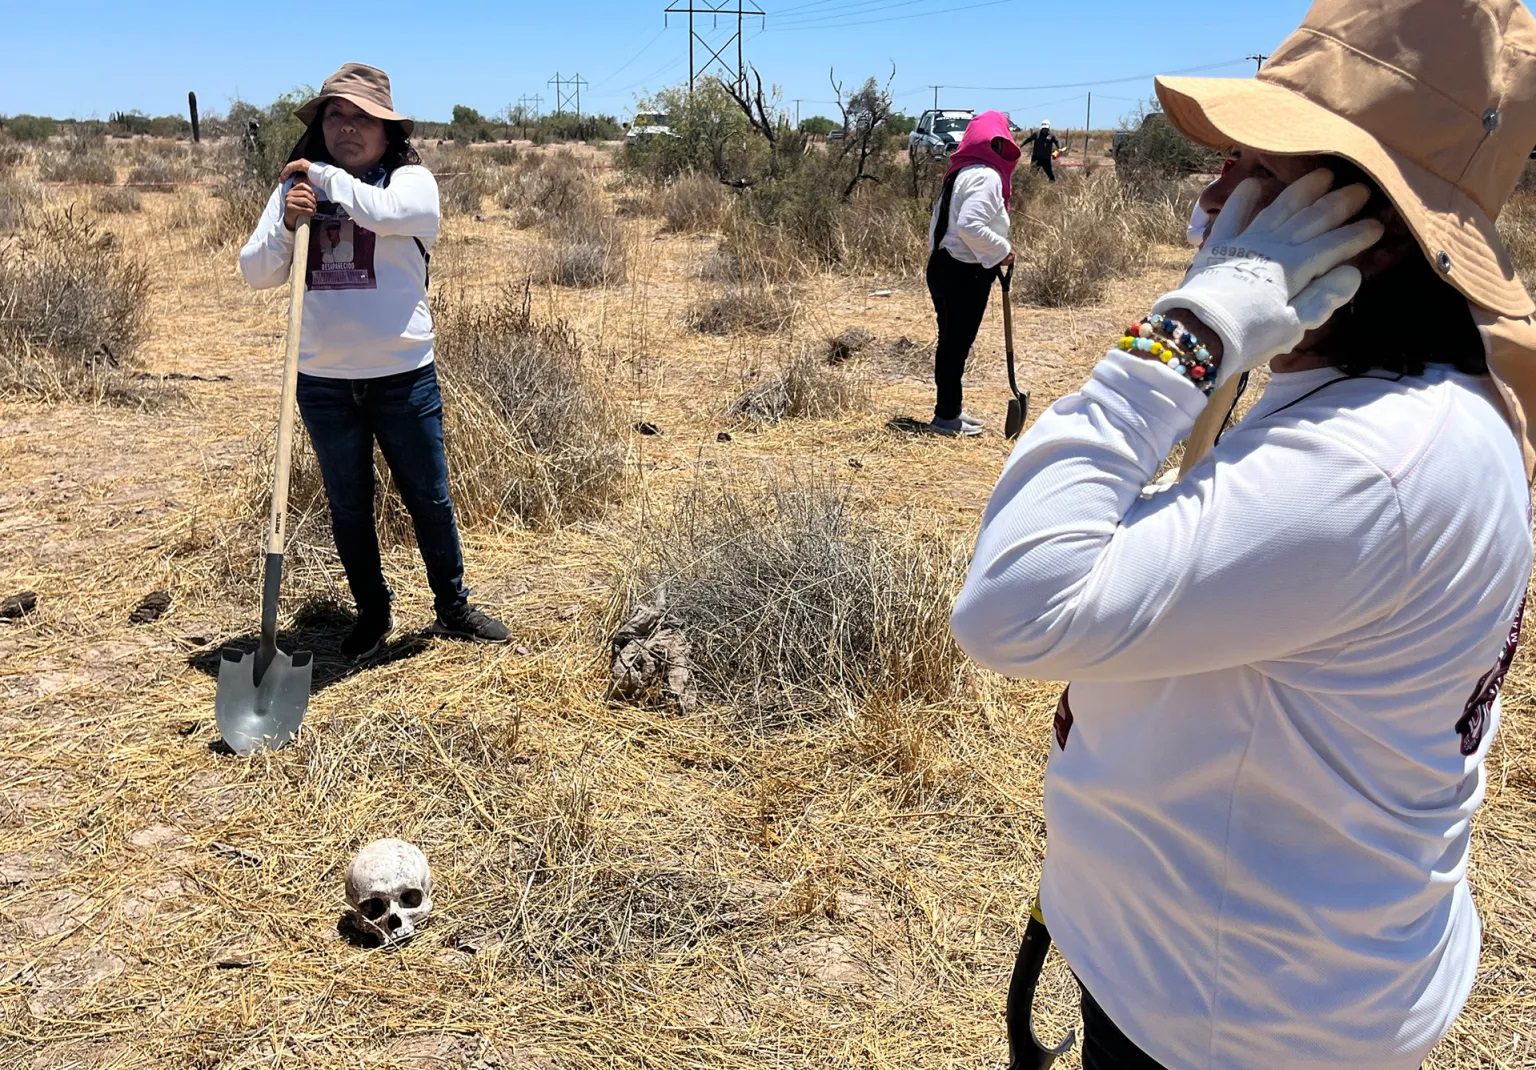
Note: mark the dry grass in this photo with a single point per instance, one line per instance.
(92, 167)
(832, 879)
(1073, 236)
(19, 197)
(73, 306)
(693, 204)
(236, 210)
(583, 253)
(117, 200)
(1517, 226)
(551, 188)
(805, 387)
(798, 605)
(743, 308)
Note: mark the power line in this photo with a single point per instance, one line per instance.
(1090, 85)
(895, 18)
(611, 75)
(858, 7)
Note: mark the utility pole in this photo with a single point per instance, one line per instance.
(1258, 59)
(567, 92)
(935, 89)
(797, 112)
(522, 102)
(1087, 125)
(742, 9)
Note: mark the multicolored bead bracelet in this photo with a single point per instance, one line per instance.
(1167, 340)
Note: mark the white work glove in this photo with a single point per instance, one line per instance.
(1261, 282)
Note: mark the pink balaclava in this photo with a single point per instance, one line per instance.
(976, 148)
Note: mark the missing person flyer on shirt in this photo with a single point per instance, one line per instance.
(340, 251)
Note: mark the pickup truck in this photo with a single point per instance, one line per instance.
(938, 131)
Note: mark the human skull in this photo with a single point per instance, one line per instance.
(389, 885)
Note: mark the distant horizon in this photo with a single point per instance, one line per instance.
(477, 54)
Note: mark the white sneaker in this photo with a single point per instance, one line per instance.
(954, 427)
(971, 421)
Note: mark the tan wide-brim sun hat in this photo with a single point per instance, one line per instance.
(365, 86)
(1436, 101)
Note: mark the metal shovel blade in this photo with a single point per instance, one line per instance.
(261, 714)
(1018, 410)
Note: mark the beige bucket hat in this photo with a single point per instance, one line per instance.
(365, 86)
(1436, 101)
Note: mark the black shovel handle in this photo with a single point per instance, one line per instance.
(1025, 1051)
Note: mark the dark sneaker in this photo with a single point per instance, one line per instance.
(467, 622)
(368, 635)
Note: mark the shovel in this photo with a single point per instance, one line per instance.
(262, 695)
(1018, 405)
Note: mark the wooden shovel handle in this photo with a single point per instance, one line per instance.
(277, 526)
(1208, 424)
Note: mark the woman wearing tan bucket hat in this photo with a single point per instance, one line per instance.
(1286, 667)
(366, 365)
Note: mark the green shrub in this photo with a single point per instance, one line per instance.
(31, 127)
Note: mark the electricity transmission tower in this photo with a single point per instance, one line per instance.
(536, 100)
(742, 9)
(567, 93)
(1258, 60)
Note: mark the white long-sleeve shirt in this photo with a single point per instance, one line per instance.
(360, 333)
(978, 219)
(1284, 676)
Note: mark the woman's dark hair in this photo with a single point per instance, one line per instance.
(398, 150)
(1406, 316)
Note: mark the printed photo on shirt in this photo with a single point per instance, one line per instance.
(340, 251)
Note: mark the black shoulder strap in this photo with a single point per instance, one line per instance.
(426, 257)
(942, 227)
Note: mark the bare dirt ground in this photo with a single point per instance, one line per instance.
(615, 887)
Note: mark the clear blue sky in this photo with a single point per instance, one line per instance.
(68, 58)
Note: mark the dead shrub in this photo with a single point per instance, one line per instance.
(239, 203)
(461, 193)
(692, 204)
(88, 168)
(1074, 236)
(117, 200)
(584, 253)
(73, 306)
(18, 196)
(805, 387)
(554, 188)
(11, 156)
(156, 173)
(503, 155)
(743, 308)
(797, 604)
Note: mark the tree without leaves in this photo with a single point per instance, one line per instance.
(864, 118)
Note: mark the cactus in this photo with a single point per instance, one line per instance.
(192, 107)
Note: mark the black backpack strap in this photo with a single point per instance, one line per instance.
(426, 258)
(941, 228)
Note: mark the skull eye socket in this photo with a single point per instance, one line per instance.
(373, 909)
(412, 897)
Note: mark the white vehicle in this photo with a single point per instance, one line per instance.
(649, 124)
(938, 132)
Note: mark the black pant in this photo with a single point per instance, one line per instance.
(959, 293)
(404, 414)
(1046, 166)
(1105, 1047)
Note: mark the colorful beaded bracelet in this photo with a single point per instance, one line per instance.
(1178, 348)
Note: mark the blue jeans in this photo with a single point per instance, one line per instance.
(404, 414)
